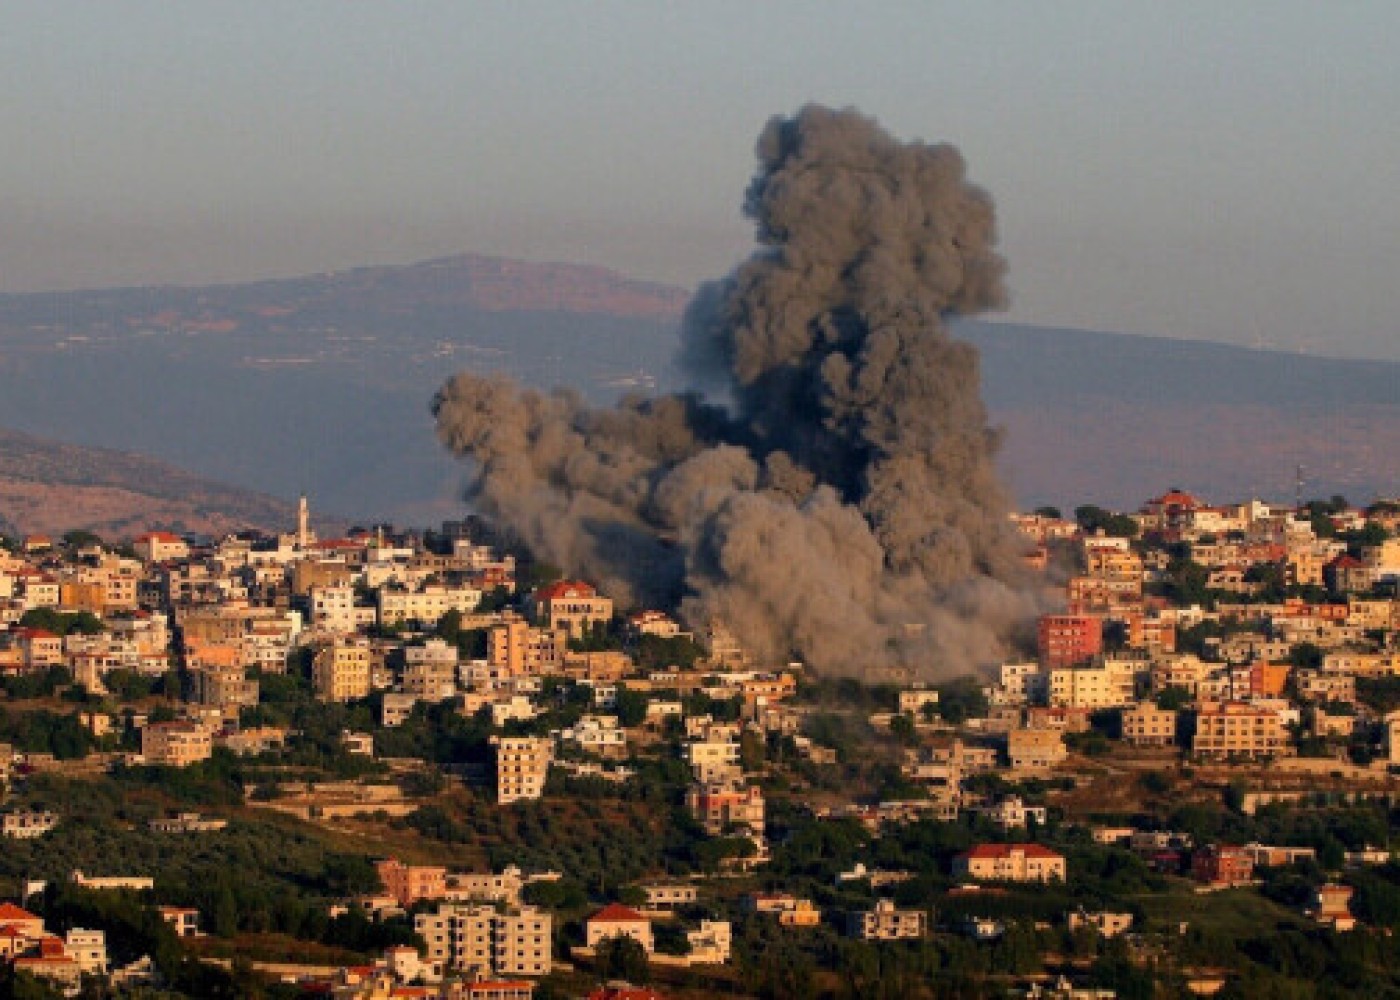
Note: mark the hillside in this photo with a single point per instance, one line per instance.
(321, 384)
(48, 487)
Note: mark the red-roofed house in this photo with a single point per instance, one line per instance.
(160, 546)
(616, 920)
(1010, 863)
(626, 993)
(1346, 573)
(41, 648)
(1222, 865)
(572, 605)
(22, 921)
(1172, 511)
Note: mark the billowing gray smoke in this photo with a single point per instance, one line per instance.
(839, 502)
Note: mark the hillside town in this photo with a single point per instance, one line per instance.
(422, 764)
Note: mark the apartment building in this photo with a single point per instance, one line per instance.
(518, 648)
(1064, 640)
(719, 808)
(714, 760)
(342, 670)
(1109, 684)
(176, 744)
(1146, 725)
(522, 766)
(485, 941)
(1228, 729)
(410, 883)
(223, 686)
(886, 922)
(430, 671)
(1035, 749)
(427, 605)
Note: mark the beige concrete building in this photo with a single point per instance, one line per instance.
(223, 686)
(714, 760)
(616, 920)
(489, 942)
(887, 923)
(1146, 725)
(1010, 863)
(1035, 749)
(426, 605)
(175, 744)
(518, 648)
(1226, 729)
(342, 670)
(1107, 685)
(522, 766)
(571, 605)
(430, 671)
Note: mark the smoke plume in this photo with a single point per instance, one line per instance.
(836, 500)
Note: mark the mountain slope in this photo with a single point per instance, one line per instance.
(49, 487)
(322, 384)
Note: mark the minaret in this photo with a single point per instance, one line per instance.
(303, 523)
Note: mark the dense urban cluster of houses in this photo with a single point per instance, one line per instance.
(1298, 606)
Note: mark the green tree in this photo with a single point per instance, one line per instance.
(623, 957)
(631, 706)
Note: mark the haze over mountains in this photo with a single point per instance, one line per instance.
(48, 487)
(321, 384)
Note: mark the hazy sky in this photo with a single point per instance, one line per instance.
(1228, 171)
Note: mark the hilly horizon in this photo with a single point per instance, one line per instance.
(321, 385)
(49, 487)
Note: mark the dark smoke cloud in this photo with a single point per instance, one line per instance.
(840, 505)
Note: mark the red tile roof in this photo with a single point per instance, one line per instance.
(986, 852)
(565, 588)
(616, 913)
(9, 913)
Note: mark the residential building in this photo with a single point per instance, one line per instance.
(710, 943)
(176, 744)
(522, 767)
(26, 824)
(410, 883)
(430, 671)
(1035, 749)
(1106, 684)
(160, 546)
(616, 920)
(517, 648)
(1011, 813)
(571, 605)
(1222, 865)
(886, 922)
(341, 671)
(1106, 923)
(1146, 725)
(713, 761)
(1226, 729)
(1332, 907)
(721, 808)
(1065, 640)
(662, 897)
(1010, 863)
(485, 941)
(397, 606)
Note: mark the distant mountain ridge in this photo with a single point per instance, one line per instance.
(321, 384)
(50, 487)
